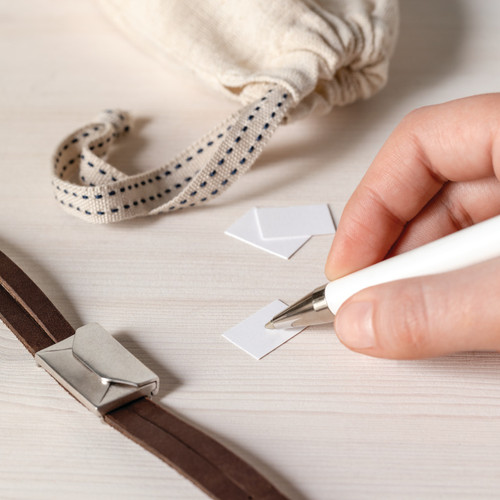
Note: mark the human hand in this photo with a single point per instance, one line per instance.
(438, 172)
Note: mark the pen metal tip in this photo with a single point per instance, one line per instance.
(270, 325)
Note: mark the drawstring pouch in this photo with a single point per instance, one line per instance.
(282, 59)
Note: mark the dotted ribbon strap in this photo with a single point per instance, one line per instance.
(87, 186)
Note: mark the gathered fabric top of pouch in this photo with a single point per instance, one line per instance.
(324, 52)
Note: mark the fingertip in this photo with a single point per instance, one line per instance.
(380, 322)
(426, 316)
(387, 321)
(333, 264)
(331, 271)
(354, 325)
(346, 255)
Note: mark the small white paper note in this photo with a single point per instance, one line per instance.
(293, 222)
(247, 229)
(253, 337)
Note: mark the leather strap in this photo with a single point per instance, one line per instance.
(37, 323)
(27, 311)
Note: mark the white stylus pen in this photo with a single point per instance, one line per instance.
(469, 246)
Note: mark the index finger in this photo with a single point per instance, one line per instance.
(455, 141)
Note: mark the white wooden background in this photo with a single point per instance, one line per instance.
(321, 422)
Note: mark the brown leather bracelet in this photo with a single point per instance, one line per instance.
(37, 323)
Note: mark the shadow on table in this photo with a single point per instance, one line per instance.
(123, 155)
(467, 366)
(168, 381)
(431, 38)
(285, 485)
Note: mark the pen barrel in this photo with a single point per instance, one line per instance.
(466, 247)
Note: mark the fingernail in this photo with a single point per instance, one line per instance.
(354, 325)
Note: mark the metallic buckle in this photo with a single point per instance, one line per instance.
(97, 370)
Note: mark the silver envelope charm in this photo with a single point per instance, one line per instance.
(97, 370)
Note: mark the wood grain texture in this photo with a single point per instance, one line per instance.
(319, 421)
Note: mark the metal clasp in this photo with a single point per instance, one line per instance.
(97, 370)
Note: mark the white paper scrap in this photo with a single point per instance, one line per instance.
(253, 337)
(246, 229)
(293, 222)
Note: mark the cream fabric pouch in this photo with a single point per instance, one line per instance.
(282, 59)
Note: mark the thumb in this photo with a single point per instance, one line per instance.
(425, 316)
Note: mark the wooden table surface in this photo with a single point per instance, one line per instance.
(320, 421)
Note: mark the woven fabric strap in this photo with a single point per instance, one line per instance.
(87, 186)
